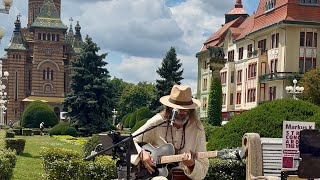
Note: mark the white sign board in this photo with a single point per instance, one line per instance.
(290, 142)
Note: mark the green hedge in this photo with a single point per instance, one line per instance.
(90, 145)
(9, 134)
(133, 120)
(127, 121)
(69, 131)
(7, 163)
(66, 164)
(17, 131)
(226, 170)
(36, 132)
(37, 112)
(16, 144)
(143, 113)
(139, 124)
(27, 132)
(58, 129)
(266, 119)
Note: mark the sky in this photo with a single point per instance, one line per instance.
(137, 34)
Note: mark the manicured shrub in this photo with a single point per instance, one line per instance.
(36, 132)
(139, 124)
(57, 129)
(17, 131)
(143, 113)
(209, 130)
(37, 112)
(27, 132)
(266, 119)
(16, 144)
(127, 121)
(90, 145)
(69, 131)
(68, 164)
(7, 163)
(9, 134)
(226, 170)
(132, 120)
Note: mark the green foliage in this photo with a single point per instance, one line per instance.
(91, 100)
(215, 102)
(90, 145)
(136, 96)
(27, 132)
(16, 144)
(9, 134)
(57, 129)
(36, 132)
(17, 131)
(226, 170)
(133, 120)
(127, 121)
(2, 139)
(69, 131)
(67, 164)
(311, 83)
(139, 124)
(170, 75)
(143, 113)
(37, 112)
(210, 130)
(7, 163)
(266, 119)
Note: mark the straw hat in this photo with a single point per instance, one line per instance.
(181, 98)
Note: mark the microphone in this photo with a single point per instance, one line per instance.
(174, 114)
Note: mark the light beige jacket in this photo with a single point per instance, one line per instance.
(195, 142)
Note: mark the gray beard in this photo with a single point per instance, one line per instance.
(183, 121)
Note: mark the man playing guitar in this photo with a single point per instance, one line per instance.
(185, 133)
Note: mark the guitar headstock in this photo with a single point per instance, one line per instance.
(233, 154)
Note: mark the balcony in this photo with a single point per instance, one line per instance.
(256, 53)
(279, 76)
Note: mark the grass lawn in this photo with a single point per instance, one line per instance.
(29, 164)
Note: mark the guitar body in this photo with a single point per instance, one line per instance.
(178, 174)
(156, 154)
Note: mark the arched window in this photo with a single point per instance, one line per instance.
(48, 37)
(58, 37)
(14, 56)
(39, 36)
(44, 37)
(51, 74)
(44, 74)
(53, 37)
(48, 73)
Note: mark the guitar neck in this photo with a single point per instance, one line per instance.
(178, 158)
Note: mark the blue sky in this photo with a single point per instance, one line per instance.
(137, 34)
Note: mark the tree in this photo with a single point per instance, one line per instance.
(170, 74)
(90, 102)
(311, 83)
(215, 102)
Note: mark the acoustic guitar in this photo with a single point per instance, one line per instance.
(164, 157)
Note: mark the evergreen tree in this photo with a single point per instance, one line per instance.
(215, 102)
(170, 74)
(90, 102)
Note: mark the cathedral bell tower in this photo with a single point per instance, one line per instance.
(34, 7)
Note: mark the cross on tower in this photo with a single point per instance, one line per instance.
(18, 16)
(71, 20)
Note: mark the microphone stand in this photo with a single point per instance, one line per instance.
(127, 140)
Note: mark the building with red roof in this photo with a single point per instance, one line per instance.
(263, 53)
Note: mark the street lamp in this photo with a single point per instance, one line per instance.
(3, 94)
(2, 33)
(114, 116)
(7, 4)
(295, 89)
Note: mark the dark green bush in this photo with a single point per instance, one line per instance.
(226, 170)
(139, 124)
(127, 121)
(69, 131)
(209, 130)
(7, 163)
(133, 120)
(16, 144)
(9, 134)
(17, 131)
(266, 119)
(27, 132)
(90, 145)
(68, 164)
(57, 129)
(143, 113)
(124, 118)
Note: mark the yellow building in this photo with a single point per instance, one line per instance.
(263, 54)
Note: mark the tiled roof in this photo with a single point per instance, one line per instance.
(49, 17)
(237, 11)
(17, 41)
(217, 38)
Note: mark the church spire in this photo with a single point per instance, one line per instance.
(78, 28)
(238, 4)
(17, 24)
(17, 41)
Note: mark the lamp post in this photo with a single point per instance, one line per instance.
(7, 4)
(114, 116)
(3, 94)
(295, 89)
